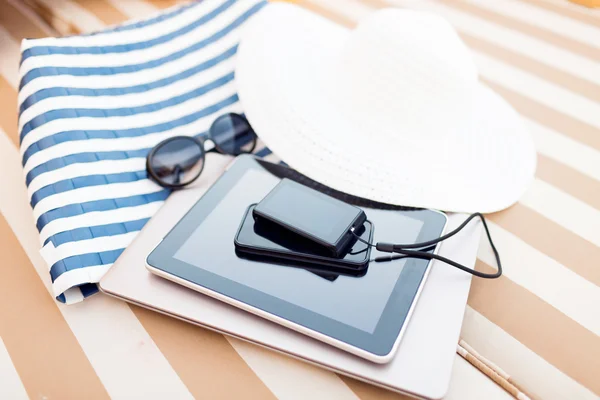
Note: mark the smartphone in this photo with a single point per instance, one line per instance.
(312, 215)
(267, 242)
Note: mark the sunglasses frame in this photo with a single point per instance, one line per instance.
(200, 143)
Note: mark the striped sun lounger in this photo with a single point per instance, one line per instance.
(540, 322)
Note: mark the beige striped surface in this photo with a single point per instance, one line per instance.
(540, 322)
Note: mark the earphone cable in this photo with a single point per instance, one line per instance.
(421, 250)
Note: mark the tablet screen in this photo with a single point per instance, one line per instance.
(355, 301)
(366, 311)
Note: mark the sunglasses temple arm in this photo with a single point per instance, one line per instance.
(177, 171)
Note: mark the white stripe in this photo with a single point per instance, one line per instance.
(134, 35)
(547, 20)
(53, 254)
(565, 150)
(272, 158)
(85, 169)
(135, 9)
(99, 218)
(132, 121)
(528, 46)
(134, 57)
(545, 277)
(79, 276)
(74, 14)
(287, 378)
(11, 386)
(564, 209)
(120, 144)
(9, 61)
(106, 329)
(129, 100)
(95, 193)
(73, 296)
(519, 361)
(540, 90)
(113, 166)
(132, 79)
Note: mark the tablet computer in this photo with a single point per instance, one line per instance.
(364, 315)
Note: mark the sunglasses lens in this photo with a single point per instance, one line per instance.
(232, 134)
(177, 162)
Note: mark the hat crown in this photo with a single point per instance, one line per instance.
(406, 73)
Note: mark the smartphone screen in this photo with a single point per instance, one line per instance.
(275, 242)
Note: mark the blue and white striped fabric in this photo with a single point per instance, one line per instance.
(90, 108)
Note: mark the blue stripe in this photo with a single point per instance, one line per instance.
(98, 180)
(92, 259)
(72, 210)
(92, 180)
(85, 181)
(86, 233)
(68, 91)
(124, 48)
(82, 261)
(88, 289)
(111, 134)
(69, 113)
(62, 137)
(61, 162)
(265, 151)
(86, 71)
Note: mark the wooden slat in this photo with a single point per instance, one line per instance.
(47, 14)
(17, 24)
(105, 11)
(162, 4)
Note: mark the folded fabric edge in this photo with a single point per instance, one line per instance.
(75, 285)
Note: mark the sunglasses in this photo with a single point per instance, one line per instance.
(179, 161)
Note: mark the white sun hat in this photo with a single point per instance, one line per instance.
(391, 111)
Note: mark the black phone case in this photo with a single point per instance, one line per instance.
(316, 263)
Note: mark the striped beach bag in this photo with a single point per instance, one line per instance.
(90, 109)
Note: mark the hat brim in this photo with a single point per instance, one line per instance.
(286, 58)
